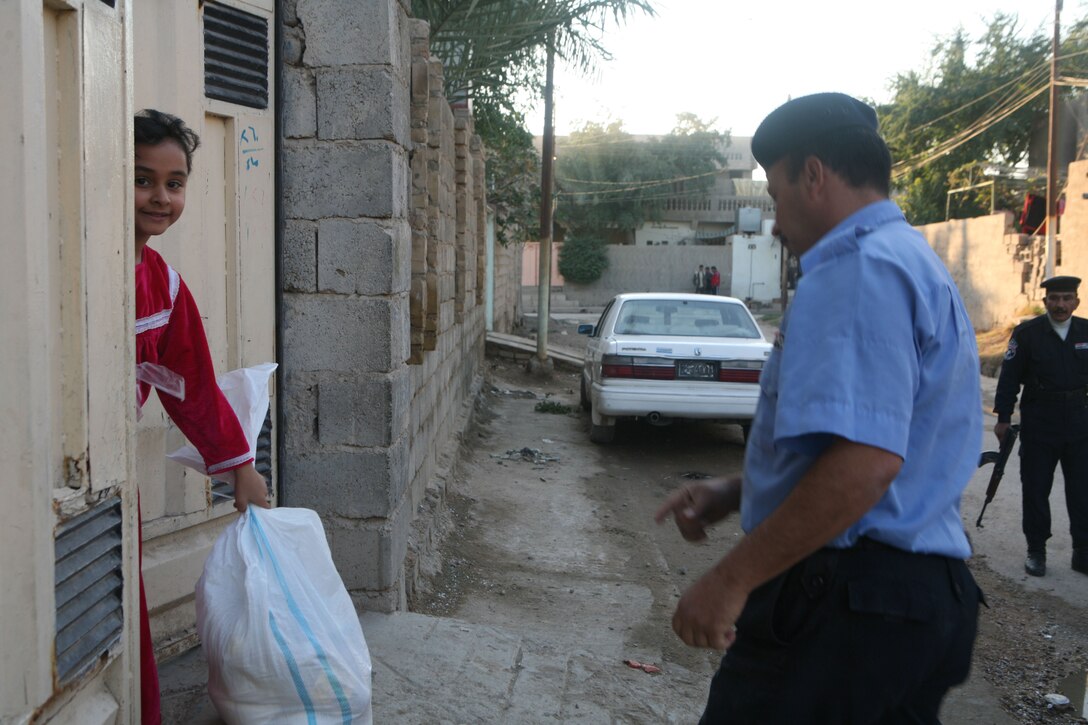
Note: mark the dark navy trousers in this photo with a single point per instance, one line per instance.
(853, 636)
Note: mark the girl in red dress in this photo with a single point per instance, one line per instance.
(171, 348)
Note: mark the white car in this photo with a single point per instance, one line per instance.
(662, 356)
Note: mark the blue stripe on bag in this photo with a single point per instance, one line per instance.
(296, 676)
(334, 682)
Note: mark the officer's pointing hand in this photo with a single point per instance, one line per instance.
(698, 505)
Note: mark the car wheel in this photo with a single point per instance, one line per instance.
(602, 433)
(584, 397)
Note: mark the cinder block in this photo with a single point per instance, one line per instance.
(293, 45)
(299, 430)
(359, 484)
(357, 552)
(421, 85)
(299, 103)
(362, 102)
(363, 256)
(299, 256)
(287, 13)
(351, 32)
(363, 411)
(343, 334)
(362, 179)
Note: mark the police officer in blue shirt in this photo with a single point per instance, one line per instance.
(848, 599)
(1048, 356)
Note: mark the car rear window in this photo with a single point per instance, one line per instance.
(688, 318)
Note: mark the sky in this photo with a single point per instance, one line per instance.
(737, 61)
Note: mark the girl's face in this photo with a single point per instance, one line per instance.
(161, 176)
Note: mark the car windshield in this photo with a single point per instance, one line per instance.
(687, 318)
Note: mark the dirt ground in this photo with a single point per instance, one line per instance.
(554, 535)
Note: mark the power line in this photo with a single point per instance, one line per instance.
(981, 125)
(635, 185)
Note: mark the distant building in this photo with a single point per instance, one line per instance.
(709, 216)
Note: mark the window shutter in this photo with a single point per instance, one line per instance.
(235, 56)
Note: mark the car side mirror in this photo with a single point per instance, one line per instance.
(585, 329)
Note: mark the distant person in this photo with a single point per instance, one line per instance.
(715, 280)
(699, 279)
(792, 272)
(1048, 356)
(848, 600)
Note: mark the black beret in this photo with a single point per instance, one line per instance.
(1062, 283)
(798, 121)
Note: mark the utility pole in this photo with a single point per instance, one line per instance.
(544, 273)
(1052, 148)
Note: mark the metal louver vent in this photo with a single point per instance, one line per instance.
(88, 584)
(235, 56)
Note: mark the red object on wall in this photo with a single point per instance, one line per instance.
(1034, 213)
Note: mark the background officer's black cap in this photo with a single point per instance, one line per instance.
(1062, 283)
(796, 122)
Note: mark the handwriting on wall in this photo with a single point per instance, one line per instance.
(250, 149)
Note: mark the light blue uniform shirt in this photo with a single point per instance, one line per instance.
(876, 347)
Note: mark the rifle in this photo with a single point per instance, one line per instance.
(998, 458)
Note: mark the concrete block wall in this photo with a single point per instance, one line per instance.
(997, 270)
(377, 368)
(447, 331)
(506, 307)
(652, 269)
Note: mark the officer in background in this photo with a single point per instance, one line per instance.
(1048, 356)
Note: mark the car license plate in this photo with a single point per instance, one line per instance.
(695, 370)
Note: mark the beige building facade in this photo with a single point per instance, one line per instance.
(340, 231)
(68, 529)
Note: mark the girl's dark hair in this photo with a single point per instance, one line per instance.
(153, 127)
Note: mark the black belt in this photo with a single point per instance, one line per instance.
(866, 544)
(1079, 395)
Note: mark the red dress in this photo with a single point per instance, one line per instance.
(170, 338)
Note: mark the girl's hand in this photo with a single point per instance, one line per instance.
(249, 488)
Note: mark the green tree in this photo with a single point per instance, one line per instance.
(499, 44)
(970, 115)
(612, 181)
(512, 172)
(493, 52)
(583, 259)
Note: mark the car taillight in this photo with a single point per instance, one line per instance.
(623, 366)
(730, 375)
(740, 371)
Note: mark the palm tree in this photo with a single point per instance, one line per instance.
(495, 47)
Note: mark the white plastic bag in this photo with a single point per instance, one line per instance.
(246, 389)
(282, 638)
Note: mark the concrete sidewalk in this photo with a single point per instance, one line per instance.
(437, 670)
(440, 670)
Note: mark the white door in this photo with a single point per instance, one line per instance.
(757, 265)
(223, 247)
